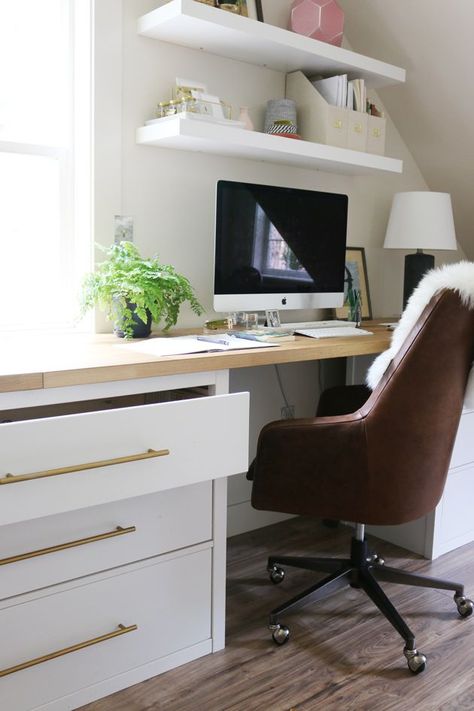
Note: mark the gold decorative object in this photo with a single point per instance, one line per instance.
(119, 531)
(68, 650)
(13, 479)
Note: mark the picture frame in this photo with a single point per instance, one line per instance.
(247, 8)
(355, 275)
(258, 10)
(272, 318)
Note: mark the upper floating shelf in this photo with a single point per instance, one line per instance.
(199, 26)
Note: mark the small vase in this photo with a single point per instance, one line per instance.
(244, 116)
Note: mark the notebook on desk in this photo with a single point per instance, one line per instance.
(339, 332)
(183, 345)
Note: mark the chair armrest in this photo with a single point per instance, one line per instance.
(314, 466)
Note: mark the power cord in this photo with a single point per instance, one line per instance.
(320, 377)
(281, 386)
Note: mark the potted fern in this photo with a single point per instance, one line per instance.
(135, 291)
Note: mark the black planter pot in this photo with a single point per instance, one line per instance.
(139, 328)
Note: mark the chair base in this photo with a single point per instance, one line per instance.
(362, 570)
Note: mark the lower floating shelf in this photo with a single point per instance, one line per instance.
(189, 135)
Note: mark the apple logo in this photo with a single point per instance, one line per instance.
(283, 301)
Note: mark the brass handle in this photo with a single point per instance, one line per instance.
(14, 478)
(119, 531)
(67, 650)
(338, 124)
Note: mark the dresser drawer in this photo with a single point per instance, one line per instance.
(168, 601)
(191, 441)
(456, 521)
(46, 551)
(463, 452)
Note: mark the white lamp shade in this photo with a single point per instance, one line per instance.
(421, 220)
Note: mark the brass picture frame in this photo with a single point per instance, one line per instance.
(246, 8)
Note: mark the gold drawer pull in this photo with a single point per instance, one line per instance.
(13, 479)
(67, 650)
(119, 531)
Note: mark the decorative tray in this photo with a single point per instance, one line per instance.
(199, 117)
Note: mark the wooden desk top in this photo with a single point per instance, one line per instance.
(28, 362)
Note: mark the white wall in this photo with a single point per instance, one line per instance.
(171, 193)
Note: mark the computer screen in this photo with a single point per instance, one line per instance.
(278, 248)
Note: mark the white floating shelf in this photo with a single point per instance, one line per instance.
(190, 135)
(199, 26)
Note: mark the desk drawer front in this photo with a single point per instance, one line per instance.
(463, 452)
(168, 601)
(154, 524)
(206, 438)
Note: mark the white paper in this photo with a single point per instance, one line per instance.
(180, 345)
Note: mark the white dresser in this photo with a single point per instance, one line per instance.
(112, 533)
(451, 524)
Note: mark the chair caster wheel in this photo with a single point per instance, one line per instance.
(280, 634)
(416, 660)
(276, 574)
(375, 559)
(464, 605)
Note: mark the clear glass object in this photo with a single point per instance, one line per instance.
(252, 320)
(239, 319)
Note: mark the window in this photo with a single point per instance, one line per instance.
(272, 255)
(45, 160)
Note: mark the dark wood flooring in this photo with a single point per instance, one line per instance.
(342, 655)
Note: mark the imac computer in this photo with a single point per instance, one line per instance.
(278, 248)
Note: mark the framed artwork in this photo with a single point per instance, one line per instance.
(256, 9)
(247, 8)
(273, 318)
(355, 277)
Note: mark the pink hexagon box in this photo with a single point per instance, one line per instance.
(320, 19)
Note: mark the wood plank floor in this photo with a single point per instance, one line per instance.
(342, 655)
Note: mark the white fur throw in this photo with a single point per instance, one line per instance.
(460, 278)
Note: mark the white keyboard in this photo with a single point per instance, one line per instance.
(303, 325)
(349, 330)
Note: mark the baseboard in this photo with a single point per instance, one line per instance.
(242, 518)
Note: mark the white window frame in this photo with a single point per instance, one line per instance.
(74, 160)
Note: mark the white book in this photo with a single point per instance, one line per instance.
(342, 91)
(350, 96)
(328, 89)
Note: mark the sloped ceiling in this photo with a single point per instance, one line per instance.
(434, 109)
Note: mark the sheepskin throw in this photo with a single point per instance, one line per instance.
(460, 278)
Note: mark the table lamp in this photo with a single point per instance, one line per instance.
(420, 220)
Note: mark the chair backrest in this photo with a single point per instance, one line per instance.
(412, 416)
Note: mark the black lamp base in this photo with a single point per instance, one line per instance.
(416, 265)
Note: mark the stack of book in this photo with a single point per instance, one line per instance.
(338, 91)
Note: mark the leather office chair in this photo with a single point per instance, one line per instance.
(384, 464)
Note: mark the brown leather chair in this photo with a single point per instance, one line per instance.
(384, 464)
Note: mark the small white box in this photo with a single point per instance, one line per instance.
(318, 121)
(376, 129)
(321, 122)
(356, 130)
